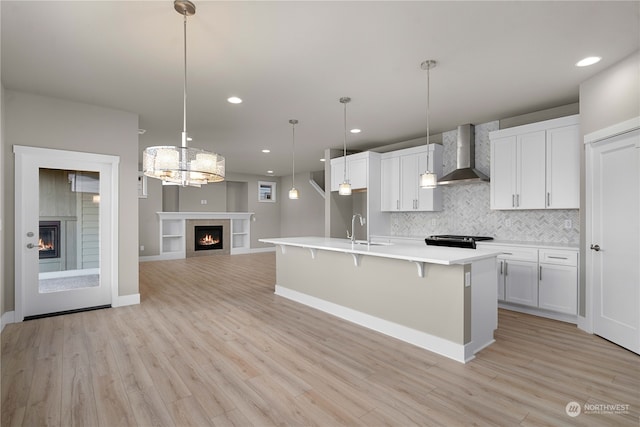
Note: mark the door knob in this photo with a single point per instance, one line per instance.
(30, 246)
(595, 248)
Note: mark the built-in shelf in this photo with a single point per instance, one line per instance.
(173, 231)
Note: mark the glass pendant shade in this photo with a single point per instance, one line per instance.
(293, 193)
(428, 180)
(344, 189)
(183, 165)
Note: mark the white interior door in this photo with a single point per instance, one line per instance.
(613, 227)
(66, 228)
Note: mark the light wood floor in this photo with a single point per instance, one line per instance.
(211, 345)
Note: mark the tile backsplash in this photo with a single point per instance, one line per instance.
(466, 207)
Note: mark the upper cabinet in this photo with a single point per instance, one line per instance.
(357, 171)
(536, 166)
(400, 173)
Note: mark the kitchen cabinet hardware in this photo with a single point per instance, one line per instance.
(595, 248)
(540, 273)
(506, 267)
(501, 265)
(558, 257)
(548, 199)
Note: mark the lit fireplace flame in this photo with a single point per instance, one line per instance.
(208, 240)
(42, 246)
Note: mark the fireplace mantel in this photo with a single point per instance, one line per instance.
(173, 231)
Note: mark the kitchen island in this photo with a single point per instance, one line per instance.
(439, 298)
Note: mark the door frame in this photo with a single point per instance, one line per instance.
(59, 159)
(586, 323)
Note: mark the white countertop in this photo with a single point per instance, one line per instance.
(430, 254)
(524, 243)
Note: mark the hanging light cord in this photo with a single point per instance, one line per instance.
(293, 145)
(345, 140)
(428, 102)
(184, 117)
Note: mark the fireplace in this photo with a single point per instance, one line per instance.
(49, 240)
(207, 237)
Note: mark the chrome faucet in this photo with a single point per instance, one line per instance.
(352, 236)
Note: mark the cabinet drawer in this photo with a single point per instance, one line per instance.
(513, 252)
(557, 256)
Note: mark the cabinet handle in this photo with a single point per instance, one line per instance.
(517, 200)
(501, 263)
(507, 253)
(506, 269)
(558, 257)
(398, 204)
(513, 200)
(548, 199)
(540, 273)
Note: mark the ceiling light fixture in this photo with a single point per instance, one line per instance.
(183, 165)
(428, 179)
(345, 188)
(588, 61)
(234, 100)
(266, 150)
(293, 193)
(355, 130)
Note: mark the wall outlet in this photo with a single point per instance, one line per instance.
(507, 223)
(568, 224)
(141, 248)
(467, 279)
(203, 202)
(433, 222)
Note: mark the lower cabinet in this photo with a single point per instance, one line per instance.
(521, 282)
(537, 277)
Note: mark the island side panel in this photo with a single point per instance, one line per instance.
(385, 288)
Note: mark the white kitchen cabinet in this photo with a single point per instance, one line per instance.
(390, 184)
(536, 166)
(400, 190)
(521, 282)
(558, 281)
(357, 171)
(537, 280)
(563, 168)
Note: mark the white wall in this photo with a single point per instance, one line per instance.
(3, 282)
(302, 217)
(610, 97)
(38, 121)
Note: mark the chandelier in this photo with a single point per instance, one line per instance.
(183, 165)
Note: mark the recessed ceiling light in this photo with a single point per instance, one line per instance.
(234, 100)
(141, 131)
(269, 172)
(189, 138)
(266, 150)
(356, 130)
(322, 160)
(588, 61)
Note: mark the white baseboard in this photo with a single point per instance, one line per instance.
(123, 300)
(412, 336)
(541, 313)
(7, 317)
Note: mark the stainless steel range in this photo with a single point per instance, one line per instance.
(455, 241)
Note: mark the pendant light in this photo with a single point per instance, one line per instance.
(428, 179)
(183, 165)
(293, 193)
(345, 188)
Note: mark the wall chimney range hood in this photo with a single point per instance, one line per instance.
(466, 171)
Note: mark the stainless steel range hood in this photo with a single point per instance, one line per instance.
(466, 171)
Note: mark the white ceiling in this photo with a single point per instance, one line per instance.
(296, 59)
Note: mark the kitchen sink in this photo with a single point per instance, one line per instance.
(364, 242)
